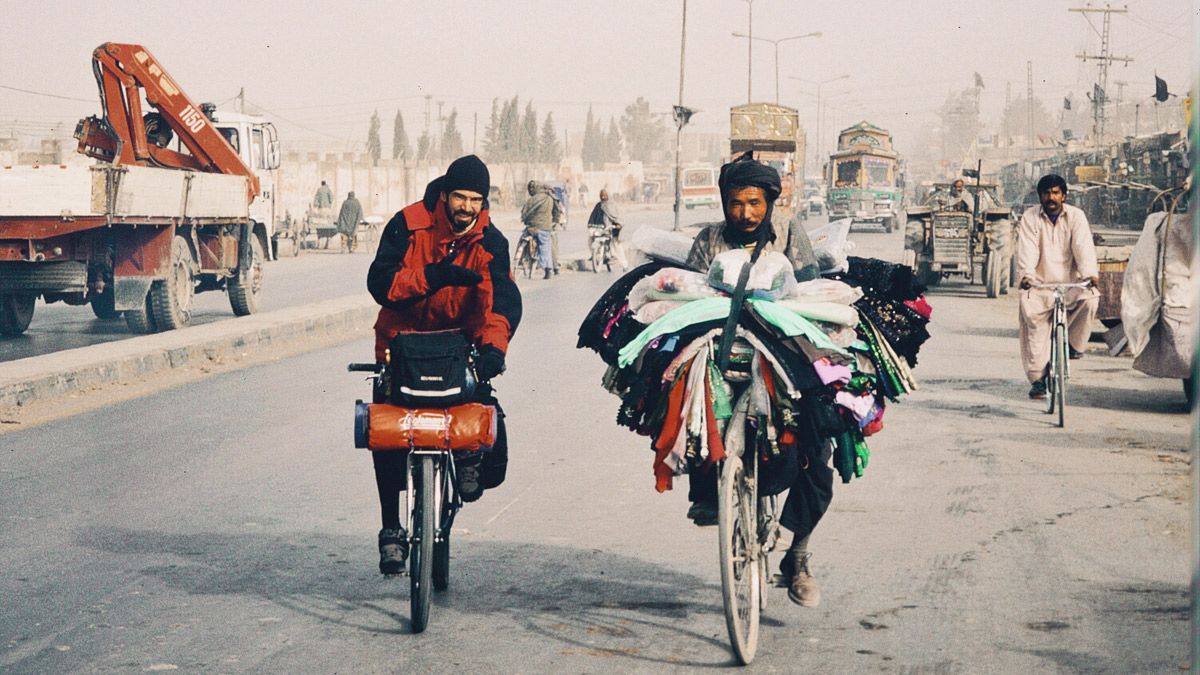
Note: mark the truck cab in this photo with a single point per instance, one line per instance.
(257, 144)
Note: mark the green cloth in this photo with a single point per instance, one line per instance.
(712, 309)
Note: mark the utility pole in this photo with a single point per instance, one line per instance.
(242, 100)
(749, 48)
(681, 117)
(1029, 104)
(1105, 58)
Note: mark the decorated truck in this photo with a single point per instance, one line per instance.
(864, 178)
(772, 132)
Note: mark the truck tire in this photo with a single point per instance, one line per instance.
(141, 321)
(244, 288)
(16, 311)
(994, 271)
(889, 224)
(171, 298)
(102, 305)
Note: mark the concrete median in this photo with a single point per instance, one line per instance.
(50, 376)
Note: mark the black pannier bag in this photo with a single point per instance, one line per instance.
(430, 369)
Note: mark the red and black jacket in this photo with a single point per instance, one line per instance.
(420, 234)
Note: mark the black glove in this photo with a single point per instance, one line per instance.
(445, 273)
(489, 363)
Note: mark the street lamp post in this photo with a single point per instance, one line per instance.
(751, 38)
(682, 115)
(822, 83)
(749, 47)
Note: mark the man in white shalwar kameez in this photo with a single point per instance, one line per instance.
(1054, 246)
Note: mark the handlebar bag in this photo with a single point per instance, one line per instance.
(430, 369)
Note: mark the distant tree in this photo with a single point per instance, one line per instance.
(510, 130)
(612, 143)
(424, 147)
(452, 143)
(549, 151)
(592, 150)
(401, 149)
(528, 146)
(644, 134)
(491, 134)
(1014, 123)
(374, 147)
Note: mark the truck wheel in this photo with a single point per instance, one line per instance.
(141, 321)
(889, 224)
(994, 272)
(171, 298)
(244, 288)
(102, 305)
(16, 311)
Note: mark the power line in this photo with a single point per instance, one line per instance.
(42, 93)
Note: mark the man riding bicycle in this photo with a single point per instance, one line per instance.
(748, 193)
(604, 218)
(442, 265)
(1054, 246)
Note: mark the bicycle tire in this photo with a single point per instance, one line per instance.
(1051, 369)
(420, 558)
(1060, 390)
(441, 545)
(597, 250)
(740, 578)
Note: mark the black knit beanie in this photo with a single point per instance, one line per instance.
(467, 173)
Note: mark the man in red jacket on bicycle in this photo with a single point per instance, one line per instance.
(442, 265)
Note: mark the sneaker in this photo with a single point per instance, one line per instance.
(393, 551)
(804, 590)
(1038, 390)
(1074, 354)
(703, 514)
(470, 487)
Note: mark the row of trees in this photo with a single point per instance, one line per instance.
(516, 135)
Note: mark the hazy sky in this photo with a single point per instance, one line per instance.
(320, 70)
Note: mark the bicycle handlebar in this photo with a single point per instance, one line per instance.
(1073, 284)
(365, 367)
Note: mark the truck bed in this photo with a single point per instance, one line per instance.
(120, 192)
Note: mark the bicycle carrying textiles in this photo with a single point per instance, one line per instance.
(430, 369)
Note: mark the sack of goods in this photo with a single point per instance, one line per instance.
(813, 364)
(470, 427)
(430, 369)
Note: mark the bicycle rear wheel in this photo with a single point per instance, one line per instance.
(420, 558)
(740, 570)
(441, 545)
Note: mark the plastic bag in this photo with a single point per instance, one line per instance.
(665, 245)
(671, 283)
(831, 242)
(772, 276)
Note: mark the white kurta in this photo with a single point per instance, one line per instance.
(1060, 252)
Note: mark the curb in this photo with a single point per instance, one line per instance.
(37, 378)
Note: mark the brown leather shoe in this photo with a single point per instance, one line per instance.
(804, 590)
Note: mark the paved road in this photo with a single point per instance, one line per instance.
(228, 526)
(314, 275)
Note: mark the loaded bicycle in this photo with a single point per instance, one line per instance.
(600, 244)
(1059, 368)
(436, 437)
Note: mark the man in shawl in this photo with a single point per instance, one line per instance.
(348, 219)
(748, 192)
(540, 215)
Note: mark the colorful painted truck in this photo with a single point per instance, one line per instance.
(772, 132)
(864, 178)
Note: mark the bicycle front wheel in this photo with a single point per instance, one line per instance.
(420, 558)
(740, 570)
(441, 546)
(1060, 387)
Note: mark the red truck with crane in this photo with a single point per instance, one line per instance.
(148, 225)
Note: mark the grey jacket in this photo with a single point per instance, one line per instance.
(541, 211)
(790, 239)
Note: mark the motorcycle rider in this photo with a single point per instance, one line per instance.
(441, 265)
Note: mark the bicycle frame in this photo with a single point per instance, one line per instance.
(444, 470)
(1059, 365)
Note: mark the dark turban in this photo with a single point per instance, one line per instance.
(745, 172)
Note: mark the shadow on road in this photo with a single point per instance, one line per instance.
(594, 603)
